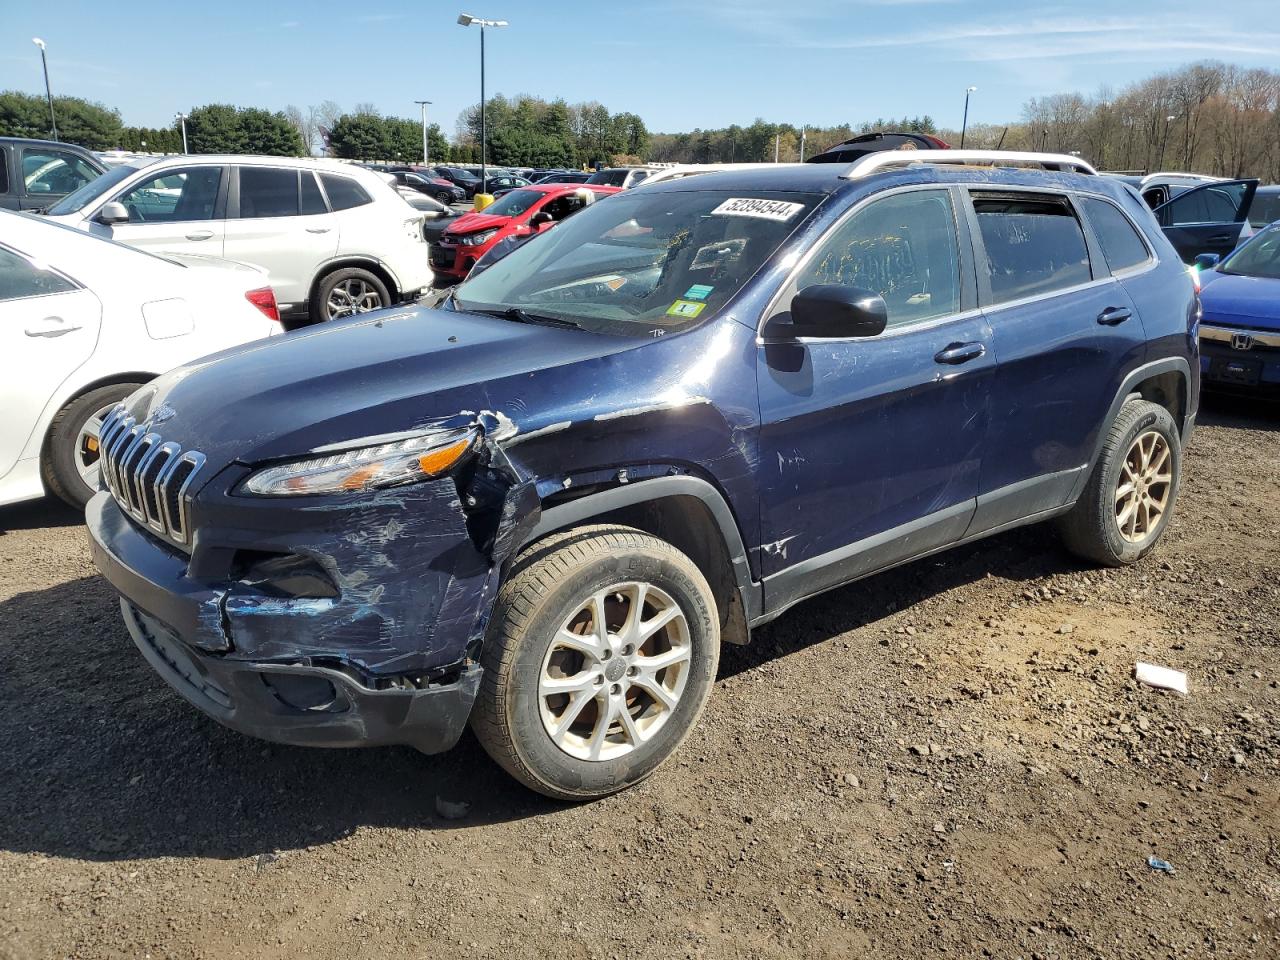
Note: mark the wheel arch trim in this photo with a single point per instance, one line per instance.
(595, 505)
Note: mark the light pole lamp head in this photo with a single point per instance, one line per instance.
(38, 42)
(1170, 119)
(971, 90)
(466, 20)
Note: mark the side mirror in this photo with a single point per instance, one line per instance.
(113, 213)
(831, 311)
(540, 218)
(1207, 261)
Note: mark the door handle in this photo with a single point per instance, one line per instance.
(960, 353)
(1222, 238)
(318, 229)
(50, 327)
(1113, 315)
(200, 235)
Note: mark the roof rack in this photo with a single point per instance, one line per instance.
(875, 162)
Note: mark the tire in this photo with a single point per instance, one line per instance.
(68, 447)
(1100, 526)
(553, 585)
(445, 197)
(353, 290)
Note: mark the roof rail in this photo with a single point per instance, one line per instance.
(875, 162)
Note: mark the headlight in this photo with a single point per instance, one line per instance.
(476, 239)
(366, 468)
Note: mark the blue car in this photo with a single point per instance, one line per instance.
(542, 506)
(1240, 328)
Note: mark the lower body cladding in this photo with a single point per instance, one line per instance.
(356, 628)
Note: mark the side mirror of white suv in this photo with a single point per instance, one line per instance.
(113, 212)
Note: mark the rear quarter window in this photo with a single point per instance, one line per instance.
(1034, 244)
(344, 193)
(1121, 244)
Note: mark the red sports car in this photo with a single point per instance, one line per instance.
(522, 212)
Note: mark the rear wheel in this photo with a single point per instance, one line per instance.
(1128, 501)
(445, 197)
(70, 466)
(347, 292)
(599, 658)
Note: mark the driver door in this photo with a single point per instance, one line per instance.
(1207, 219)
(182, 210)
(871, 447)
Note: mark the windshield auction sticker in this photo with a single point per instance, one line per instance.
(754, 207)
(685, 309)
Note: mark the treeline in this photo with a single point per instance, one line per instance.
(215, 128)
(761, 142)
(1209, 117)
(530, 131)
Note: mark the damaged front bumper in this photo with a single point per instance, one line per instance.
(386, 660)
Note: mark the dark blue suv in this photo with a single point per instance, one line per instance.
(542, 506)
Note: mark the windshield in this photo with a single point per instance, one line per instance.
(81, 198)
(1260, 257)
(643, 263)
(514, 203)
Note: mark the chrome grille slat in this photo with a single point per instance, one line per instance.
(150, 479)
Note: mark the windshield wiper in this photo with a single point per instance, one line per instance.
(524, 316)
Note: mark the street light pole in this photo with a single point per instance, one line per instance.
(466, 20)
(964, 126)
(182, 119)
(48, 92)
(426, 152)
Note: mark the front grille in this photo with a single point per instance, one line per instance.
(149, 478)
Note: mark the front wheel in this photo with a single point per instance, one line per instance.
(445, 198)
(599, 658)
(70, 466)
(1128, 500)
(347, 292)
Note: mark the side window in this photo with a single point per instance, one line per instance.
(20, 278)
(312, 198)
(47, 170)
(4, 170)
(639, 176)
(1216, 204)
(1121, 244)
(174, 196)
(1034, 245)
(344, 193)
(904, 248)
(268, 192)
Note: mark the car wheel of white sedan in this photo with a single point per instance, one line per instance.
(70, 465)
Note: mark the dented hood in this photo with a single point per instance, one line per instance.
(284, 397)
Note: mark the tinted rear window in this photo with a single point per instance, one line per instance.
(268, 192)
(343, 192)
(1120, 242)
(1034, 245)
(1265, 209)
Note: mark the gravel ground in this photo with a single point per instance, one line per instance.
(948, 759)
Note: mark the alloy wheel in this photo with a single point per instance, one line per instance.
(349, 297)
(615, 671)
(1144, 487)
(88, 452)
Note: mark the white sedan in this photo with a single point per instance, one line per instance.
(83, 323)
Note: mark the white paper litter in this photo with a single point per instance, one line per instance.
(1162, 678)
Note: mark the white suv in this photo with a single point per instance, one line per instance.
(335, 238)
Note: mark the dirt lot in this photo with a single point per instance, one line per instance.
(951, 758)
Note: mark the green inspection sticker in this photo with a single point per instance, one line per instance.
(699, 291)
(685, 308)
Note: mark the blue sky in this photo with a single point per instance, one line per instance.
(679, 65)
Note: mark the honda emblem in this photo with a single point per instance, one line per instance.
(1241, 341)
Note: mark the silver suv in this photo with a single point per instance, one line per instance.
(335, 238)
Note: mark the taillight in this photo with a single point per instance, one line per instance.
(938, 143)
(265, 300)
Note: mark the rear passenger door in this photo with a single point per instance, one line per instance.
(1065, 332)
(870, 447)
(278, 219)
(1207, 219)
